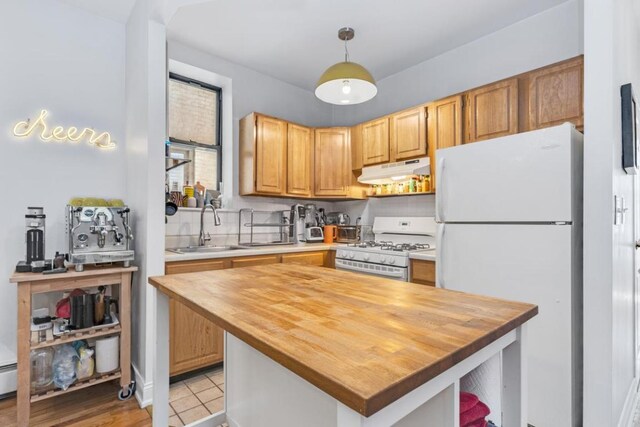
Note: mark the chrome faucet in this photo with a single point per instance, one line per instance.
(216, 222)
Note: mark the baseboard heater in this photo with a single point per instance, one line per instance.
(8, 380)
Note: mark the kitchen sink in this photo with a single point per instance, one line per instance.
(205, 249)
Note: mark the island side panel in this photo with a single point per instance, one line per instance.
(260, 391)
(161, 368)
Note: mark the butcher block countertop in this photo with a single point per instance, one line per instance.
(365, 341)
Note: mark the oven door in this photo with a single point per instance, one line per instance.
(390, 272)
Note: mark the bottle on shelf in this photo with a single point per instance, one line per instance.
(426, 183)
(41, 368)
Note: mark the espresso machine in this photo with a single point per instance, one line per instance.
(98, 235)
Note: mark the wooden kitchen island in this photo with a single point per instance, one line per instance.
(310, 346)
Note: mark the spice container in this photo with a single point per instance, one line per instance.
(426, 183)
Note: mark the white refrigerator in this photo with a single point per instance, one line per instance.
(509, 225)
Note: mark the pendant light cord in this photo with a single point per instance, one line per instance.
(346, 51)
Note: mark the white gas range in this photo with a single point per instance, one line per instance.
(388, 255)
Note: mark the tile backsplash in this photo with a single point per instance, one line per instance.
(183, 228)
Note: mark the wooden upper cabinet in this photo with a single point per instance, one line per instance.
(332, 162)
(556, 95)
(492, 111)
(409, 133)
(444, 128)
(299, 160)
(271, 152)
(263, 153)
(375, 142)
(356, 147)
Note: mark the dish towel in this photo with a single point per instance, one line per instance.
(472, 411)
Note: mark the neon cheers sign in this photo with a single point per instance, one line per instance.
(58, 133)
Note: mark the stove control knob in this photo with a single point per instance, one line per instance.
(340, 254)
(352, 255)
(383, 260)
(392, 261)
(366, 257)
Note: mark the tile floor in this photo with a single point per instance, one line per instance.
(196, 398)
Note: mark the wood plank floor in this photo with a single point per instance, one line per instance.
(97, 406)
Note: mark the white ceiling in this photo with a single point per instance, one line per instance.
(117, 10)
(296, 40)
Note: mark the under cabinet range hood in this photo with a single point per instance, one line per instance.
(397, 171)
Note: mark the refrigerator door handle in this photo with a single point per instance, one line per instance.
(440, 192)
(440, 256)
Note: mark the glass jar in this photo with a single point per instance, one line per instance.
(426, 183)
(41, 368)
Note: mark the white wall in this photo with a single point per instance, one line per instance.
(78, 75)
(146, 111)
(550, 36)
(612, 58)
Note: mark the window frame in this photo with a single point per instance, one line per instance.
(218, 146)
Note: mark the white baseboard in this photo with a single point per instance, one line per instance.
(8, 379)
(144, 390)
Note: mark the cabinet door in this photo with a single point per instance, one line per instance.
(332, 165)
(375, 142)
(270, 157)
(307, 258)
(444, 128)
(299, 160)
(409, 133)
(195, 341)
(492, 111)
(556, 95)
(356, 147)
(423, 272)
(254, 260)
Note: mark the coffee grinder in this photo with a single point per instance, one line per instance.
(34, 241)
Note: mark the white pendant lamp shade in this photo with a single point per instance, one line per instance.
(346, 83)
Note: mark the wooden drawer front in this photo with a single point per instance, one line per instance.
(556, 95)
(194, 266)
(423, 272)
(254, 260)
(307, 258)
(492, 111)
(195, 341)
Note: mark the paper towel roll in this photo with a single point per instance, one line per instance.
(107, 354)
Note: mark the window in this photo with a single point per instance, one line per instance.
(195, 111)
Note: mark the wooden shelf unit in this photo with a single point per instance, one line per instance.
(81, 334)
(78, 385)
(403, 194)
(35, 283)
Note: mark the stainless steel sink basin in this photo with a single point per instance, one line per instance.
(204, 249)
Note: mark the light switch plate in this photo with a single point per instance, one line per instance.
(620, 209)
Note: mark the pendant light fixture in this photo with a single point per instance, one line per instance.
(346, 83)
